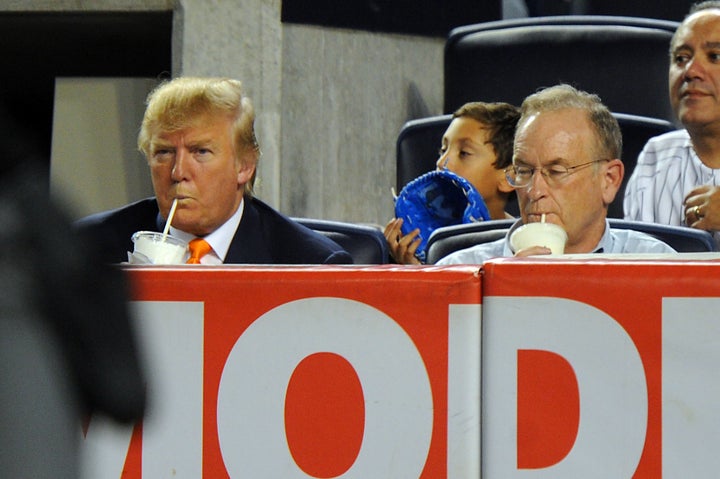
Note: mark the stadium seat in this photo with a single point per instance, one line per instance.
(366, 244)
(622, 59)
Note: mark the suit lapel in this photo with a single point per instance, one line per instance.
(248, 244)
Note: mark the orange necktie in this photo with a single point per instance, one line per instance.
(198, 248)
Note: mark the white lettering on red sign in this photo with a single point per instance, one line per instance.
(611, 381)
(605, 361)
(398, 400)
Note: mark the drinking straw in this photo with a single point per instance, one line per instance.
(169, 220)
(542, 218)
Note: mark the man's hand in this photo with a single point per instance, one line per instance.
(533, 250)
(702, 208)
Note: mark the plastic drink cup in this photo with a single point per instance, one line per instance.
(548, 235)
(159, 248)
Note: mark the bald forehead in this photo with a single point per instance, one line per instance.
(558, 135)
(704, 19)
(574, 119)
(707, 13)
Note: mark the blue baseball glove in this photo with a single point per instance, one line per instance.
(436, 199)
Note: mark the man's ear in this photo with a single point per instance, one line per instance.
(612, 177)
(245, 173)
(502, 184)
(245, 166)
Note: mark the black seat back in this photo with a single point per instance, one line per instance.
(366, 244)
(449, 239)
(417, 147)
(622, 59)
(682, 238)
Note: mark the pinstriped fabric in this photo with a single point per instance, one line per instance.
(667, 170)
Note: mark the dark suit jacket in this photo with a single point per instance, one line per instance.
(264, 236)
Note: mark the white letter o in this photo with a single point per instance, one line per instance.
(396, 388)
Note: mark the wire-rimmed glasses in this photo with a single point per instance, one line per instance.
(521, 176)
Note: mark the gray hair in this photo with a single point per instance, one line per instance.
(560, 97)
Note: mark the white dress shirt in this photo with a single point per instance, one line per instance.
(219, 239)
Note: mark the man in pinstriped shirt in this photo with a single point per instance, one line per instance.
(677, 177)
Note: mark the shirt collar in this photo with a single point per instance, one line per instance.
(606, 242)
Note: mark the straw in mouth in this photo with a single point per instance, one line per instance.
(169, 220)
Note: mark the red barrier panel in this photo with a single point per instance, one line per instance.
(591, 368)
(273, 372)
(600, 368)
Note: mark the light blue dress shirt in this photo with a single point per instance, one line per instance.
(612, 241)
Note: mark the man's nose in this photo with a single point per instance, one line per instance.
(538, 184)
(694, 69)
(179, 165)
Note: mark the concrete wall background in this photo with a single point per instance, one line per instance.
(98, 168)
(329, 102)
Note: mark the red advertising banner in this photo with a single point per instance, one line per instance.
(600, 368)
(281, 372)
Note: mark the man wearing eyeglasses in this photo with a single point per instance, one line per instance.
(566, 170)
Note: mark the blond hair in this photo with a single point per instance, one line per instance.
(180, 103)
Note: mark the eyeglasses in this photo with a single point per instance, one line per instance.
(521, 176)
